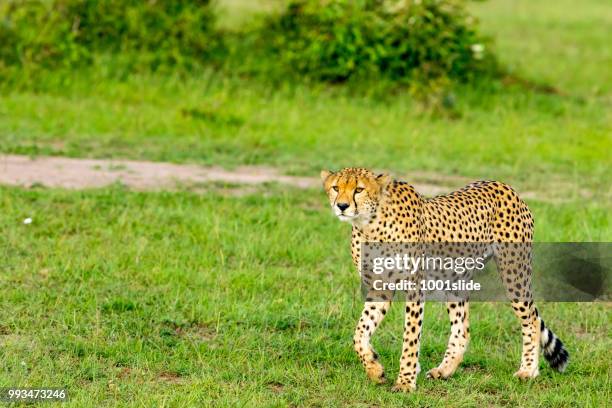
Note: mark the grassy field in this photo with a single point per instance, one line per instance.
(185, 299)
(171, 299)
(228, 119)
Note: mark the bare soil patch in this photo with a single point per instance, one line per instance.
(76, 173)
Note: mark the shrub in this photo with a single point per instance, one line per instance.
(407, 41)
(33, 34)
(67, 32)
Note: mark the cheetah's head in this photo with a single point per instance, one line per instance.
(354, 193)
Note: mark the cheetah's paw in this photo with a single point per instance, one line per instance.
(376, 372)
(525, 374)
(403, 387)
(438, 373)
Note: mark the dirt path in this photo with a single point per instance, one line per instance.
(140, 175)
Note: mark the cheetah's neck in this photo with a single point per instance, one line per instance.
(398, 216)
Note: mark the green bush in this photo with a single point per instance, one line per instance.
(408, 41)
(52, 33)
(32, 34)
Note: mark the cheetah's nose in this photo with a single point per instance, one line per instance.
(342, 206)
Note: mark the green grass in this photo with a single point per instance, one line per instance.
(505, 132)
(174, 299)
(554, 42)
(179, 299)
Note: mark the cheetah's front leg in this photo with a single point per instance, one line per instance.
(458, 312)
(373, 313)
(409, 362)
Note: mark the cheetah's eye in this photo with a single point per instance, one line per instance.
(335, 188)
(358, 190)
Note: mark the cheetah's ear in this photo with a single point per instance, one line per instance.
(383, 180)
(325, 174)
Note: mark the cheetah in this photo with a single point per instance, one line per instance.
(381, 209)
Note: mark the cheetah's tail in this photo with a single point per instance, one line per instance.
(553, 349)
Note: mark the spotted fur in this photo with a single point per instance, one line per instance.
(384, 210)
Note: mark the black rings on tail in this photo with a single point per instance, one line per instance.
(553, 349)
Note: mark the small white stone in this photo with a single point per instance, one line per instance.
(477, 48)
(27, 221)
